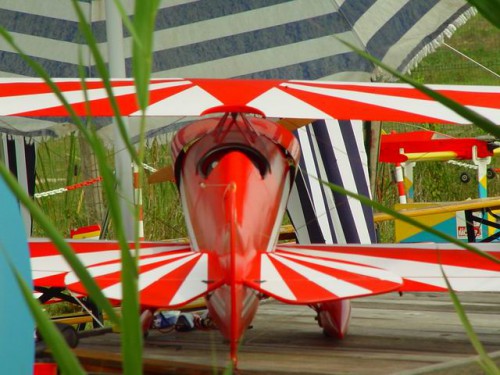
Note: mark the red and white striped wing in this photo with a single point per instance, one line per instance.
(302, 278)
(166, 278)
(418, 264)
(49, 268)
(275, 98)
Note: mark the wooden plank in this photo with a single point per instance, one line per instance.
(388, 334)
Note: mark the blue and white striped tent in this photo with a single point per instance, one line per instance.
(261, 39)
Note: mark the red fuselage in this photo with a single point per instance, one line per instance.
(234, 176)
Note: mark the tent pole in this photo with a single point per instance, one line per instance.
(372, 146)
(123, 161)
(22, 177)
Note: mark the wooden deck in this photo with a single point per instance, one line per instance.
(389, 334)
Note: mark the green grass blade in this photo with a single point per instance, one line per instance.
(143, 26)
(131, 339)
(485, 361)
(490, 9)
(144, 23)
(142, 53)
(126, 21)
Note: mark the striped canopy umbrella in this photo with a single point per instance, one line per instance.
(253, 39)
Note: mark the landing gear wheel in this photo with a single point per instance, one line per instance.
(464, 177)
(69, 333)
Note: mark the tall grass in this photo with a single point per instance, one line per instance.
(163, 214)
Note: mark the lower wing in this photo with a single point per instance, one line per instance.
(170, 274)
(308, 274)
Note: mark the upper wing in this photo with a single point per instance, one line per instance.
(274, 98)
(170, 274)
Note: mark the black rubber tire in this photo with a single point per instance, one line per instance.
(69, 333)
(464, 177)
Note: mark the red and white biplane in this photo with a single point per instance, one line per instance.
(234, 173)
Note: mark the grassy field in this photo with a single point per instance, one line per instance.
(59, 162)
(478, 40)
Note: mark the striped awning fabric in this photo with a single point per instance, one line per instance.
(252, 39)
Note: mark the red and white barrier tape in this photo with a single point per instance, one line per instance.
(68, 188)
(80, 185)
